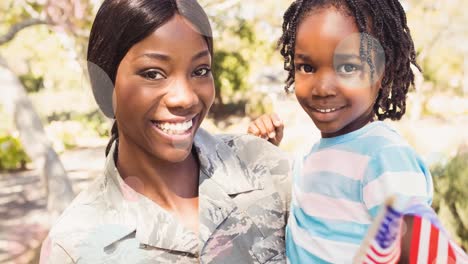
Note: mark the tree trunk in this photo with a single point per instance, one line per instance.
(34, 140)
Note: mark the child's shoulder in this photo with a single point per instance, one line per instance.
(380, 135)
(385, 130)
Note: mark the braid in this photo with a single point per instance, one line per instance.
(287, 41)
(114, 137)
(386, 21)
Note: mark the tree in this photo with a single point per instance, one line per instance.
(61, 15)
(450, 181)
(32, 136)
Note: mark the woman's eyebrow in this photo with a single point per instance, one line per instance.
(154, 55)
(163, 57)
(201, 54)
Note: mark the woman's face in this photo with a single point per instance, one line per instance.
(163, 90)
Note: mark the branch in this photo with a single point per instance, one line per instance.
(18, 27)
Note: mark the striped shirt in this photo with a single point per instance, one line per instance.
(340, 185)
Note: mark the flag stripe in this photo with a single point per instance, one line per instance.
(383, 252)
(415, 239)
(451, 255)
(442, 252)
(433, 245)
(424, 242)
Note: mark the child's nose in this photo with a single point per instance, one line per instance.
(325, 86)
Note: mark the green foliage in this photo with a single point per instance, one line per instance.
(237, 50)
(12, 155)
(450, 184)
(257, 105)
(441, 49)
(229, 70)
(31, 82)
(94, 121)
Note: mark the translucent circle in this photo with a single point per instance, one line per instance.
(197, 18)
(182, 144)
(131, 188)
(45, 251)
(359, 61)
(102, 87)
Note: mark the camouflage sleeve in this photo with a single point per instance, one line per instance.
(259, 153)
(53, 253)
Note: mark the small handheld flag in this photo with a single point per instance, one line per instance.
(414, 236)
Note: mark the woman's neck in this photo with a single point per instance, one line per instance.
(173, 186)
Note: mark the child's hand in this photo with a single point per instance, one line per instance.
(268, 127)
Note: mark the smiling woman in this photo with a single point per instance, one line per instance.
(171, 192)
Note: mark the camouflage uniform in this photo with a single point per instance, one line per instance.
(244, 193)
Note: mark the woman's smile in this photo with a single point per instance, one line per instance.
(175, 129)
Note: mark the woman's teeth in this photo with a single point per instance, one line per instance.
(175, 128)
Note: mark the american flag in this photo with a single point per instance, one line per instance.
(414, 236)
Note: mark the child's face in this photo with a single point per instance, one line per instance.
(331, 83)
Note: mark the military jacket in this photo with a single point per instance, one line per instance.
(244, 194)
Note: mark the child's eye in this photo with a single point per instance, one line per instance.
(347, 68)
(306, 68)
(152, 75)
(201, 72)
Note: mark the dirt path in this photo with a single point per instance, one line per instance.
(23, 213)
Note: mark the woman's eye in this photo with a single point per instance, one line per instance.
(201, 72)
(347, 68)
(152, 75)
(306, 68)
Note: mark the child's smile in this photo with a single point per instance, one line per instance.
(332, 84)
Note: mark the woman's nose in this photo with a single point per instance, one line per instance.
(181, 95)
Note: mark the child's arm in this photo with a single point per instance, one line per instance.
(268, 126)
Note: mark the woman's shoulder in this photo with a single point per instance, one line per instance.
(248, 149)
(257, 157)
(260, 155)
(85, 212)
(253, 147)
(94, 219)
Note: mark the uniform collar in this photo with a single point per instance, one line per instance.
(222, 175)
(153, 226)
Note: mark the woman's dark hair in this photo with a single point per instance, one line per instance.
(385, 20)
(120, 24)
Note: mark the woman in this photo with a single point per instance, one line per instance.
(171, 192)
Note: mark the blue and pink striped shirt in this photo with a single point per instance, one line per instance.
(340, 185)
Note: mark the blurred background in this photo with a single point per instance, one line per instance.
(52, 135)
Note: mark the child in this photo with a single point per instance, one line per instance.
(350, 64)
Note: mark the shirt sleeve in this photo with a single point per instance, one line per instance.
(396, 171)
